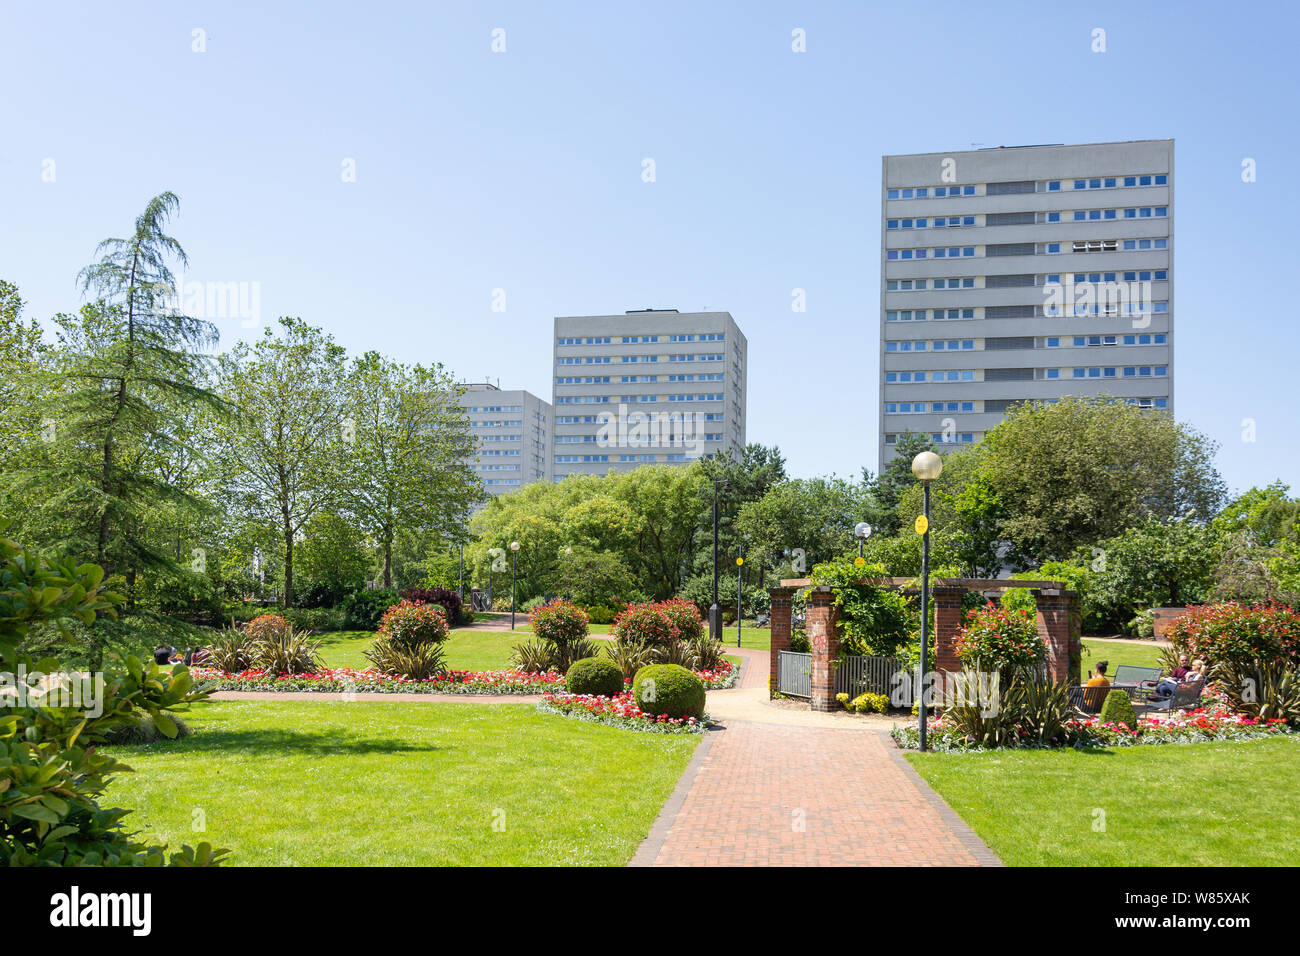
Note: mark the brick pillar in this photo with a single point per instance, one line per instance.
(947, 620)
(780, 614)
(1058, 622)
(823, 636)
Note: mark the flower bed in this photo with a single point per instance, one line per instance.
(346, 680)
(620, 711)
(1205, 724)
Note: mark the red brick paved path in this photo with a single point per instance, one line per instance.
(767, 794)
(772, 795)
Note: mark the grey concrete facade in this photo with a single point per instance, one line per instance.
(1023, 273)
(655, 386)
(514, 430)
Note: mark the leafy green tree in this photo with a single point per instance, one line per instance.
(1084, 469)
(801, 520)
(1155, 564)
(130, 367)
(283, 452)
(333, 558)
(1268, 515)
(406, 454)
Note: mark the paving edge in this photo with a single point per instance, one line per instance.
(960, 828)
(648, 851)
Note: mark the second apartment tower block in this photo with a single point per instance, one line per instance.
(655, 386)
(1023, 273)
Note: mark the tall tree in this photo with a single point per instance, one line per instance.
(1082, 469)
(283, 452)
(131, 365)
(895, 478)
(406, 453)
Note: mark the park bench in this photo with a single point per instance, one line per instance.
(1137, 682)
(1088, 700)
(1184, 696)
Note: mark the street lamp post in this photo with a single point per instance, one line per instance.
(514, 549)
(568, 571)
(927, 466)
(715, 612)
(740, 570)
(861, 531)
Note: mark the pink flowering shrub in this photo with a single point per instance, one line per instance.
(1239, 634)
(648, 625)
(996, 638)
(559, 622)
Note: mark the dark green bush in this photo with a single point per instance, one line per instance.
(145, 731)
(601, 614)
(364, 608)
(1118, 709)
(668, 689)
(596, 676)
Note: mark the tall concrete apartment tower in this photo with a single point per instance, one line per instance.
(1023, 273)
(654, 386)
(513, 428)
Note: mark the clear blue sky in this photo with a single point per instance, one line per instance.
(522, 171)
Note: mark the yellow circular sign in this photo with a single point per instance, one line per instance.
(739, 562)
(859, 561)
(922, 525)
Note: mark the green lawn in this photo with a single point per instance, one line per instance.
(1213, 804)
(377, 784)
(1145, 654)
(758, 638)
(466, 649)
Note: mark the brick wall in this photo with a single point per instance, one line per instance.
(1058, 622)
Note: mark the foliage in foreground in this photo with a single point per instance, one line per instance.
(52, 774)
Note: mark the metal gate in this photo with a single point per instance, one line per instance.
(794, 674)
(866, 675)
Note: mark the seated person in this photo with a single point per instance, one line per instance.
(162, 654)
(1100, 679)
(1197, 673)
(1179, 673)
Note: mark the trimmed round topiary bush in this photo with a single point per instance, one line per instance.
(1118, 709)
(595, 677)
(668, 689)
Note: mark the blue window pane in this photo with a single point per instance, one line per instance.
(1080, 215)
(1080, 373)
(1054, 186)
(968, 190)
(1110, 213)
(1110, 183)
(922, 193)
(1094, 184)
(1080, 184)
(1144, 181)
(1162, 180)
(1130, 180)
(1130, 213)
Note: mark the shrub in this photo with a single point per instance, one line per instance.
(446, 598)
(645, 624)
(594, 676)
(232, 651)
(532, 657)
(685, 617)
(559, 622)
(674, 652)
(601, 614)
(532, 604)
(286, 652)
(266, 627)
(629, 657)
(707, 653)
(409, 642)
(363, 609)
(501, 604)
(995, 638)
(145, 730)
(407, 624)
(54, 775)
(873, 621)
(670, 690)
(316, 618)
(1239, 634)
(868, 703)
(1118, 709)
(1263, 692)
